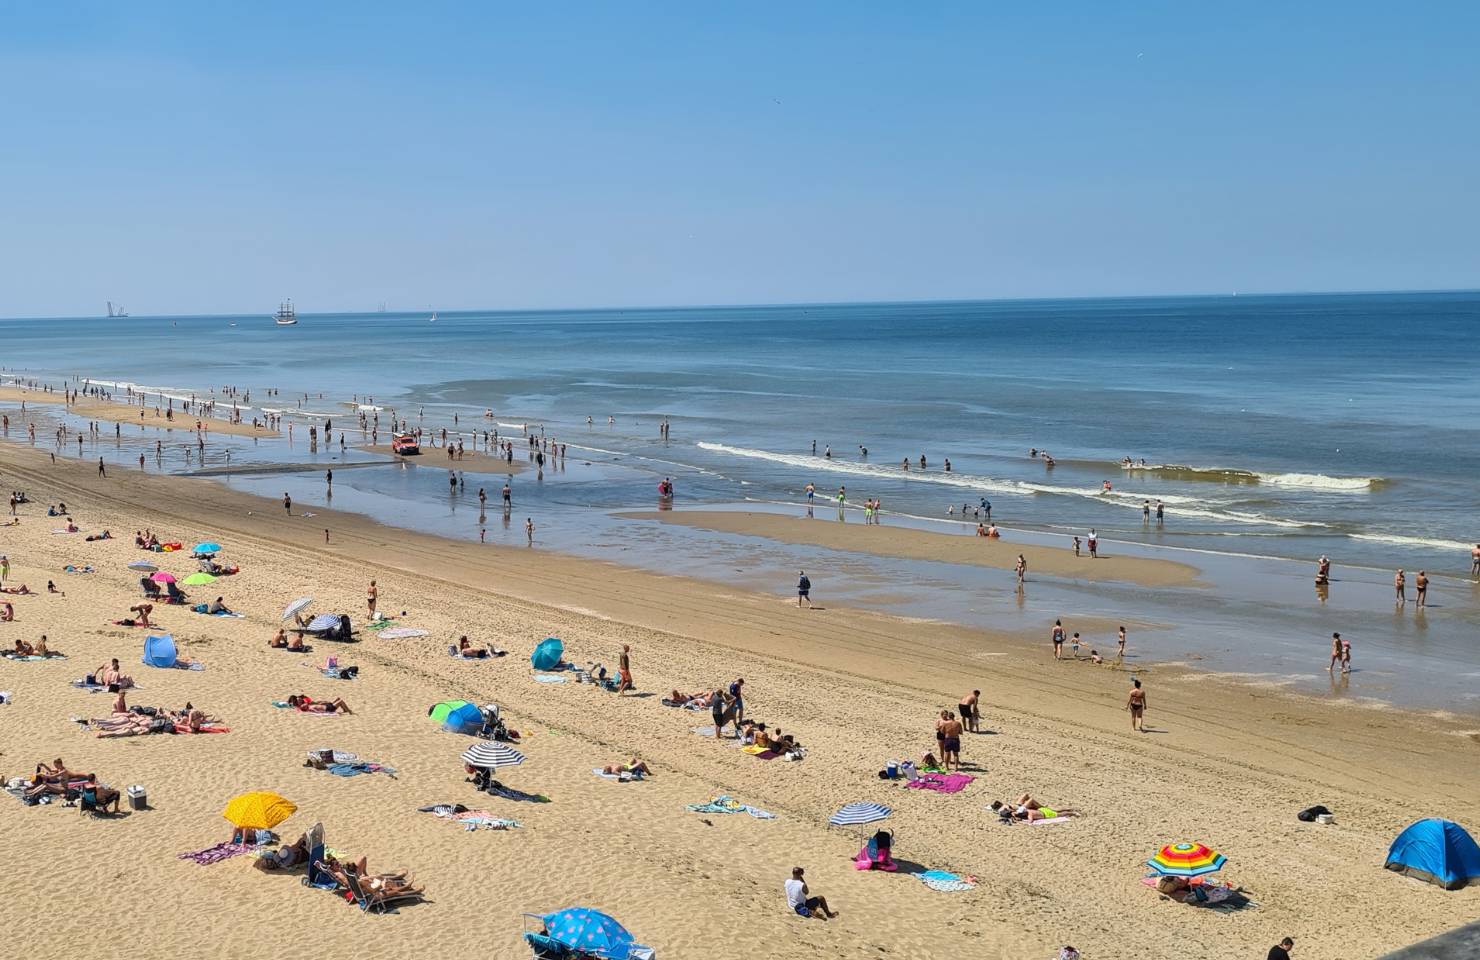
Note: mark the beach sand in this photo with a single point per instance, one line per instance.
(883, 540)
(144, 417)
(472, 461)
(1229, 766)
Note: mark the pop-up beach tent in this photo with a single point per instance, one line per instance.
(1438, 851)
(160, 651)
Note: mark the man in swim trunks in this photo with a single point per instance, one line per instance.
(1421, 584)
(804, 588)
(971, 710)
(803, 905)
(950, 745)
(624, 671)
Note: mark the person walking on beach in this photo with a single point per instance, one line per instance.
(102, 470)
(1093, 542)
(508, 497)
(971, 711)
(1022, 569)
(1346, 655)
(1120, 642)
(1076, 546)
(624, 670)
(287, 504)
(798, 897)
(811, 492)
(529, 530)
(1160, 513)
(804, 589)
(329, 478)
(1058, 639)
(1136, 704)
(1145, 513)
(1421, 586)
(1475, 561)
(1399, 582)
(1335, 652)
(372, 594)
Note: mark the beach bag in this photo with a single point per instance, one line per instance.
(1309, 814)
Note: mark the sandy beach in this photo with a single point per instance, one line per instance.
(884, 540)
(147, 417)
(1226, 765)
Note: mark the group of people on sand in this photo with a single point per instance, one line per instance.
(37, 649)
(281, 641)
(55, 780)
(1057, 638)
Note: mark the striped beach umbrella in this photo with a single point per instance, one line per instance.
(324, 621)
(490, 755)
(854, 814)
(143, 566)
(1186, 860)
(297, 606)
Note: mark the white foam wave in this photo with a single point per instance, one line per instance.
(1131, 501)
(1318, 481)
(1455, 545)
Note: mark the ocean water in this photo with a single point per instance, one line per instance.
(1279, 426)
(1274, 429)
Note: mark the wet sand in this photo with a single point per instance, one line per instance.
(145, 417)
(884, 540)
(472, 461)
(1227, 765)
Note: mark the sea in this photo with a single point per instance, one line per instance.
(1271, 429)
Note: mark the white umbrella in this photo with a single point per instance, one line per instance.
(491, 756)
(297, 606)
(143, 566)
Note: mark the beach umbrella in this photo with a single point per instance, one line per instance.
(259, 809)
(324, 621)
(162, 577)
(199, 579)
(590, 932)
(1186, 860)
(297, 606)
(491, 755)
(546, 656)
(854, 814)
(143, 566)
(440, 711)
(207, 547)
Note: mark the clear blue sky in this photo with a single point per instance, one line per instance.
(184, 158)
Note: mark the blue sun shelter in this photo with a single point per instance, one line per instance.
(1438, 851)
(547, 654)
(160, 651)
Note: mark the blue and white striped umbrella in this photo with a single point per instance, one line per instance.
(853, 814)
(490, 755)
(324, 621)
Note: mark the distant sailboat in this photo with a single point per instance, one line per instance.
(286, 316)
(116, 311)
(382, 307)
(433, 318)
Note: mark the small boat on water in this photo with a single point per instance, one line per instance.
(404, 444)
(117, 311)
(285, 317)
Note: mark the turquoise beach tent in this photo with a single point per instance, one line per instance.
(546, 656)
(1438, 851)
(159, 651)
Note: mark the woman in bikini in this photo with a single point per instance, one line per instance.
(1136, 704)
(306, 704)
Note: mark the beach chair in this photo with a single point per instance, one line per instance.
(318, 877)
(371, 901)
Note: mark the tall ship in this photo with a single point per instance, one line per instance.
(285, 316)
(117, 311)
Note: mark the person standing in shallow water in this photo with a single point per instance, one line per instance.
(1400, 596)
(1335, 652)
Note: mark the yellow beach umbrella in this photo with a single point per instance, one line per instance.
(259, 810)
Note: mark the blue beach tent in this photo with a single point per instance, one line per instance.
(159, 651)
(1439, 851)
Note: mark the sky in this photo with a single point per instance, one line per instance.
(186, 158)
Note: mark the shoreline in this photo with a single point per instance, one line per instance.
(883, 540)
(858, 687)
(472, 461)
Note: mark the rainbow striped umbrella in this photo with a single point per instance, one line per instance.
(1186, 860)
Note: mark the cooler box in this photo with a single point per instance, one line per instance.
(138, 797)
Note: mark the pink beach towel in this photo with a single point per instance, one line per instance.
(948, 783)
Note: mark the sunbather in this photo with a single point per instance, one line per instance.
(307, 704)
(20, 591)
(638, 768)
(24, 649)
(279, 639)
(700, 699)
(111, 677)
(218, 605)
(467, 651)
(7, 613)
(1026, 808)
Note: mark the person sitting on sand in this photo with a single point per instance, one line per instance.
(192, 717)
(24, 649)
(637, 768)
(306, 704)
(783, 742)
(52, 588)
(799, 898)
(279, 640)
(1094, 657)
(993, 533)
(1026, 808)
(111, 677)
(218, 605)
(71, 527)
(468, 651)
(42, 650)
(7, 612)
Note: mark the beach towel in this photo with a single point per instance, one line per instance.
(54, 656)
(85, 568)
(728, 804)
(691, 705)
(547, 678)
(949, 783)
(210, 855)
(402, 633)
(205, 728)
(945, 882)
(760, 753)
(623, 777)
(223, 613)
(1049, 821)
(509, 793)
(81, 684)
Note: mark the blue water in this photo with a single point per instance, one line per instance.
(1345, 424)
(1274, 427)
